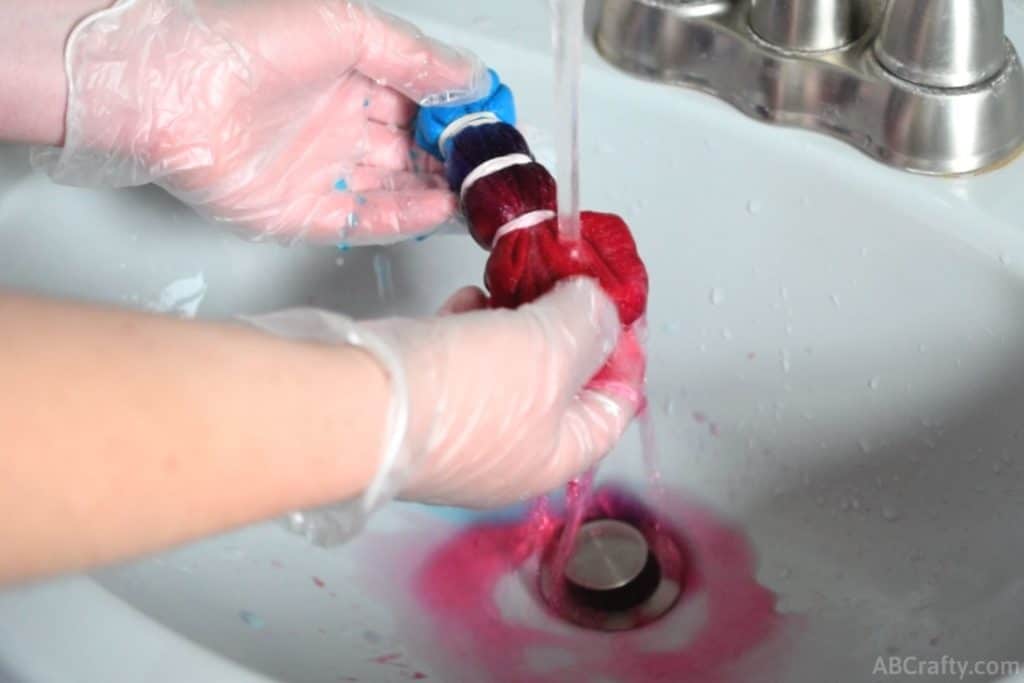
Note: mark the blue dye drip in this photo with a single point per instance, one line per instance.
(251, 620)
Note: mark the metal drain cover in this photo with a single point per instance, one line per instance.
(618, 577)
(608, 555)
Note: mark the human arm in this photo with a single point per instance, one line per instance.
(124, 433)
(33, 87)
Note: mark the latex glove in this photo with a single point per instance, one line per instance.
(285, 117)
(490, 406)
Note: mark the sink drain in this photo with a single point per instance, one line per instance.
(617, 577)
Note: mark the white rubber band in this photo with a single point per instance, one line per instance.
(527, 220)
(492, 166)
(480, 118)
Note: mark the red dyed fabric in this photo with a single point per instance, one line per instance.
(527, 263)
(506, 195)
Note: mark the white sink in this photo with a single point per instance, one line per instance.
(837, 384)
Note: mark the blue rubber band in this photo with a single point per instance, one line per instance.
(432, 121)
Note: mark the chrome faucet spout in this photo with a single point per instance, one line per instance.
(943, 43)
(928, 86)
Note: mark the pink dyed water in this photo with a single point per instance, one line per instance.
(577, 498)
(724, 614)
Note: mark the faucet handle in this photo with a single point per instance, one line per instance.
(942, 43)
(808, 25)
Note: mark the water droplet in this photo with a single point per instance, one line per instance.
(482, 23)
(727, 334)
(874, 383)
(784, 294)
(674, 327)
(789, 329)
(385, 280)
(1004, 259)
(786, 362)
(836, 301)
(753, 207)
(890, 514)
(670, 407)
(340, 261)
(923, 348)
(785, 573)
(716, 297)
(864, 251)
(251, 620)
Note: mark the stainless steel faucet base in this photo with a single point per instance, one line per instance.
(844, 92)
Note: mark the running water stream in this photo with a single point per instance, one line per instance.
(567, 43)
(567, 40)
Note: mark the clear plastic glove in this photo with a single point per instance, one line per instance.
(287, 118)
(489, 407)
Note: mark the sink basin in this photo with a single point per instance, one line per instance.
(836, 385)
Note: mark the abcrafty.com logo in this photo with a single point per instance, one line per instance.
(946, 667)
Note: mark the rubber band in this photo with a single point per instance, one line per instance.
(479, 118)
(492, 166)
(527, 220)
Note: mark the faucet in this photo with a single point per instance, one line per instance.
(928, 86)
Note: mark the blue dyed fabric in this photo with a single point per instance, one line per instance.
(478, 144)
(432, 121)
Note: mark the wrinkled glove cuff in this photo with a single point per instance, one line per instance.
(333, 524)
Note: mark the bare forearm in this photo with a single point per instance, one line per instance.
(124, 433)
(33, 88)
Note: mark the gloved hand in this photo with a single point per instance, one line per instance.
(490, 406)
(287, 118)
